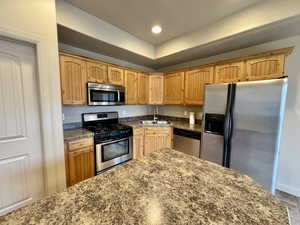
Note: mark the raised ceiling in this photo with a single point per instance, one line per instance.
(176, 17)
(265, 21)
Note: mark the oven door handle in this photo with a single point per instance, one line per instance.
(110, 142)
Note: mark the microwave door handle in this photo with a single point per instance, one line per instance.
(119, 96)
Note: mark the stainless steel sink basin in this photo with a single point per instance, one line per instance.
(154, 122)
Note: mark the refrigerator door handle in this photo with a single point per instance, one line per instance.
(228, 125)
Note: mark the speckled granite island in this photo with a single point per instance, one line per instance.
(167, 187)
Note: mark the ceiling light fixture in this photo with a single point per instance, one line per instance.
(156, 29)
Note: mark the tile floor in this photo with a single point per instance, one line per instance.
(293, 204)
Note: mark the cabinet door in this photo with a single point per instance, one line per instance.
(131, 86)
(156, 89)
(231, 72)
(194, 84)
(115, 75)
(96, 72)
(265, 68)
(157, 138)
(143, 88)
(81, 164)
(174, 88)
(138, 143)
(73, 80)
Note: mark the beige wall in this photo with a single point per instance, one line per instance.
(35, 21)
(289, 166)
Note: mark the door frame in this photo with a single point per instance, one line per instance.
(49, 98)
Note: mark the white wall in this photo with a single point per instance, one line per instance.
(35, 21)
(289, 166)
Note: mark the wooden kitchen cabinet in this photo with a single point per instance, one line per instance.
(79, 160)
(269, 67)
(131, 87)
(174, 88)
(156, 89)
(73, 80)
(138, 143)
(143, 88)
(195, 81)
(115, 75)
(96, 72)
(230, 72)
(150, 139)
(157, 138)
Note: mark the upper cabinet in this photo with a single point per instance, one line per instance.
(230, 72)
(143, 88)
(185, 86)
(174, 88)
(156, 88)
(115, 75)
(131, 86)
(265, 67)
(194, 84)
(73, 80)
(96, 72)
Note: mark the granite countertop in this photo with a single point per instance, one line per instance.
(78, 133)
(168, 187)
(176, 123)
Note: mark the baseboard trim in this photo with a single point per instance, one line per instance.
(289, 189)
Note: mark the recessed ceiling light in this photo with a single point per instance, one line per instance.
(156, 29)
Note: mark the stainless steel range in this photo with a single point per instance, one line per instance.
(113, 141)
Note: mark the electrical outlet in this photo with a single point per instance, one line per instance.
(63, 116)
(124, 112)
(185, 113)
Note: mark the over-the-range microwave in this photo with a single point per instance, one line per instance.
(105, 94)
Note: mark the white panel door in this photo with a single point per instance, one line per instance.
(21, 164)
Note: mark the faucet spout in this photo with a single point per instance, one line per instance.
(155, 113)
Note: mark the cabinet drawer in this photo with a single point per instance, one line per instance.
(138, 131)
(157, 130)
(81, 143)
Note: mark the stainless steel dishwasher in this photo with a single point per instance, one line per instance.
(187, 141)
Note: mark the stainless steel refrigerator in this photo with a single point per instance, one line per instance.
(242, 126)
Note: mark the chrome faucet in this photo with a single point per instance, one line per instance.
(155, 113)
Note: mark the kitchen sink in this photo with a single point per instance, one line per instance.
(154, 122)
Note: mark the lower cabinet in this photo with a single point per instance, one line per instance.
(138, 143)
(151, 139)
(79, 158)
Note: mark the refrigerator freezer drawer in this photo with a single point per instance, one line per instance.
(212, 148)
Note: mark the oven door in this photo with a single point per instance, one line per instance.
(112, 153)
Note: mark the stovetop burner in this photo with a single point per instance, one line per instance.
(105, 126)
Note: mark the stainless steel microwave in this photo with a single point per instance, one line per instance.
(105, 94)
